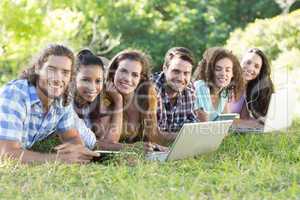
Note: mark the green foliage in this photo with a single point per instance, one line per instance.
(274, 36)
(279, 38)
(20, 26)
(249, 166)
(26, 27)
(110, 26)
(156, 26)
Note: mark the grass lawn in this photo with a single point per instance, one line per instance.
(252, 166)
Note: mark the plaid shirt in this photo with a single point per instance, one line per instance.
(172, 117)
(22, 118)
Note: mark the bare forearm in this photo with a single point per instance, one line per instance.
(201, 115)
(226, 108)
(26, 156)
(169, 137)
(106, 145)
(71, 136)
(163, 137)
(115, 128)
(69, 152)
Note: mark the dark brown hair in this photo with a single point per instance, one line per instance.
(207, 69)
(85, 58)
(55, 50)
(260, 89)
(179, 52)
(143, 97)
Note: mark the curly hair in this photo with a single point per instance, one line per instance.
(207, 70)
(260, 89)
(55, 50)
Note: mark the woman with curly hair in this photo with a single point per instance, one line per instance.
(253, 105)
(220, 77)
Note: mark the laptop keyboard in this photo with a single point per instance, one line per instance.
(245, 129)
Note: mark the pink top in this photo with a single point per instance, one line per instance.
(236, 106)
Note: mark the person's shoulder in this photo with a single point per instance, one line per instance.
(158, 81)
(15, 88)
(17, 83)
(199, 83)
(157, 77)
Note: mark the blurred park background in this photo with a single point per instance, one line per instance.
(154, 26)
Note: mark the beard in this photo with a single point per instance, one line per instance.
(47, 93)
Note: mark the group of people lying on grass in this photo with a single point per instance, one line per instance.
(92, 106)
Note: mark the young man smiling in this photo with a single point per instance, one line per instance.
(175, 93)
(35, 106)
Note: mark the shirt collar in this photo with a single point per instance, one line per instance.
(34, 98)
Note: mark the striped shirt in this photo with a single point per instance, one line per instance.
(172, 117)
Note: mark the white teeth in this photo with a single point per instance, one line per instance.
(91, 94)
(54, 86)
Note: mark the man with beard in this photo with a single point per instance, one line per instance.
(37, 105)
(175, 92)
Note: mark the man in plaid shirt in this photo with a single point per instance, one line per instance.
(35, 106)
(175, 92)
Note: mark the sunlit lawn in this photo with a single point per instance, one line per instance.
(251, 166)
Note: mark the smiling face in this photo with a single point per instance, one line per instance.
(223, 72)
(127, 76)
(251, 64)
(54, 76)
(89, 82)
(178, 74)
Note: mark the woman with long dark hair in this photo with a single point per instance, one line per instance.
(87, 87)
(129, 75)
(259, 87)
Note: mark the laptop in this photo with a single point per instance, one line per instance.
(227, 116)
(194, 139)
(279, 115)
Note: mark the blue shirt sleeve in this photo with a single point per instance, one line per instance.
(202, 96)
(12, 113)
(86, 134)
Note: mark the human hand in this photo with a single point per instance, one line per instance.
(113, 92)
(150, 147)
(74, 153)
(202, 115)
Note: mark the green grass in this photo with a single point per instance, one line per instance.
(251, 166)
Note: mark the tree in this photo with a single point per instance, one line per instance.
(155, 26)
(279, 39)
